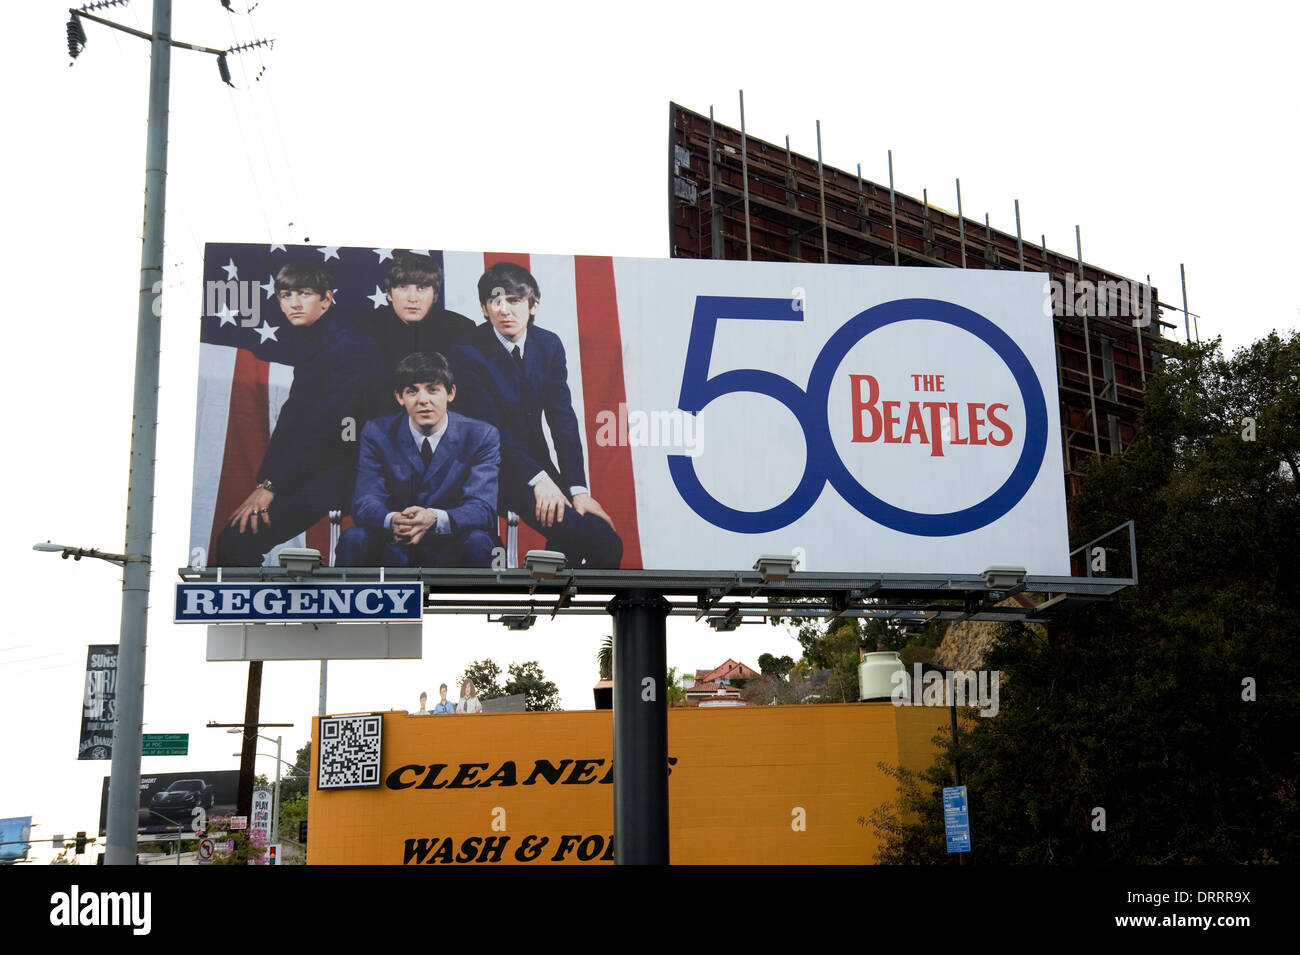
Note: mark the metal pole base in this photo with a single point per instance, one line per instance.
(640, 728)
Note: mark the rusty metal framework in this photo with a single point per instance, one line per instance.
(735, 197)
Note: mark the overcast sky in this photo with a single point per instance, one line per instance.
(1167, 133)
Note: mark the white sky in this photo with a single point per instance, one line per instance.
(1166, 132)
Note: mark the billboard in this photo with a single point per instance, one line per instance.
(188, 800)
(14, 835)
(99, 703)
(747, 785)
(399, 408)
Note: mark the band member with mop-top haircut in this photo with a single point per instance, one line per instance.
(513, 374)
(426, 491)
(310, 463)
(412, 321)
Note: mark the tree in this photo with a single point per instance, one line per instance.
(1158, 727)
(605, 658)
(775, 666)
(486, 676)
(294, 784)
(528, 679)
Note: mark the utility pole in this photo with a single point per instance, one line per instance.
(124, 776)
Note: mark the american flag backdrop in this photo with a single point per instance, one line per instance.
(248, 350)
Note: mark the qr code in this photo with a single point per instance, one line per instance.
(349, 751)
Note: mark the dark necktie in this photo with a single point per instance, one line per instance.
(426, 452)
(518, 356)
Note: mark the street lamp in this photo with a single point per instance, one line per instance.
(128, 739)
(275, 810)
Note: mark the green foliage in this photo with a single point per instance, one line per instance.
(1139, 707)
(487, 679)
(528, 679)
(294, 783)
(605, 658)
(676, 692)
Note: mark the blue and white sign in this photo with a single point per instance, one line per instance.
(298, 602)
(956, 818)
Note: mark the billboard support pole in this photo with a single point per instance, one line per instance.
(1020, 241)
(961, 226)
(893, 209)
(1087, 349)
(744, 173)
(821, 195)
(124, 778)
(640, 727)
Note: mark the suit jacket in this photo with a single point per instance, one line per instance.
(461, 479)
(334, 370)
(395, 339)
(488, 386)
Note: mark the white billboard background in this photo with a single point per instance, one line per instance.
(752, 451)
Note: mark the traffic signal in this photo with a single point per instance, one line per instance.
(81, 842)
(270, 855)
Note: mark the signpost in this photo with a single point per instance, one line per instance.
(207, 849)
(956, 818)
(166, 744)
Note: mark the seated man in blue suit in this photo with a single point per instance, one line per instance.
(512, 374)
(426, 479)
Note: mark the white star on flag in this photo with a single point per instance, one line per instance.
(269, 286)
(277, 245)
(226, 314)
(232, 272)
(419, 251)
(329, 251)
(267, 331)
(379, 298)
(383, 254)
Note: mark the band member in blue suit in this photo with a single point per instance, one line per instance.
(310, 463)
(513, 373)
(426, 479)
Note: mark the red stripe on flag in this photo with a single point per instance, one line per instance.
(248, 431)
(603, 388)
(528, 538)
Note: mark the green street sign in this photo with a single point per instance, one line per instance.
(166, 744)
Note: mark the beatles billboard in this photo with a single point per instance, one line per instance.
(403, 407)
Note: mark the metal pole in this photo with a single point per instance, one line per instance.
(640, 728)
(715, 249)
(893, 212)
(275, 809)
(1182, 276)
(821, 188)
(1087, 349)
(1151, 307)
(324, 679)
(124, 777)
(1020, 242)
(744, 172)
(961, 226)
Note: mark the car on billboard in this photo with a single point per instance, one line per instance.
(185, 794)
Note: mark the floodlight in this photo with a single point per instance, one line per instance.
(519, 621)
(727, 622)
(544, 564)
(300, 560)
(49, 548)
(1004, 576)
(775, 567)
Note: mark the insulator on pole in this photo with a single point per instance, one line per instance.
(223, 69)
(76, 36)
